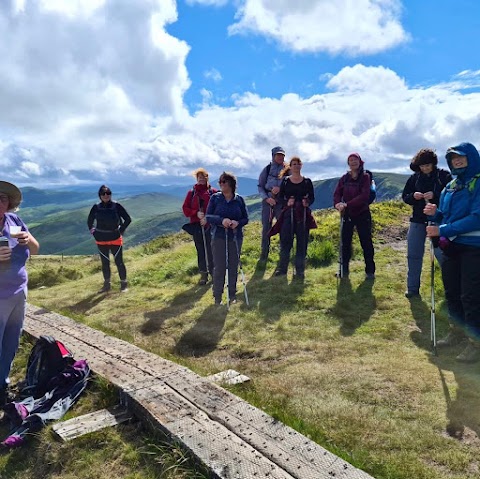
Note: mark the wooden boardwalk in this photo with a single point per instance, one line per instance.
(231, 437)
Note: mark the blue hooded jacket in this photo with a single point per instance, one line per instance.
(458, 214)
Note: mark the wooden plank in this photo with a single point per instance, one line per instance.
(233, 438)
(78, 426)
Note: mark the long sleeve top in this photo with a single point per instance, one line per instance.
(220, 208)
(354, 192)
(269, 177)
(298, 190)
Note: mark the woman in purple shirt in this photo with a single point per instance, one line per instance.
(16, 245)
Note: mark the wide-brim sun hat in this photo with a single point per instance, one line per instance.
(13, 193)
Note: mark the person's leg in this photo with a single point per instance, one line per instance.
(200, 244)
(286, 243)
(233, 255)
(302, 240)
(208, 239)
(347, 234)
(267, 215)
(415, 251)
(364, 228)
(219, 260)
(12, 315)
(104, 251)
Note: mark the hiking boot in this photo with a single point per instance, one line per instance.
(412, 294)
(106, 287)
(280, 273)
(124, 286)
(455, 336)
(471, 354)
(370, 276)
(203, 279)
(345, 275)
(299, 277)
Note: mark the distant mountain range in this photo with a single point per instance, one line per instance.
(58, 218)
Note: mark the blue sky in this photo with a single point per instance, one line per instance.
(146, 91)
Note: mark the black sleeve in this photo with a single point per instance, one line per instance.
(91, 216)
(310, 191)
(409, 190)
(125, 219)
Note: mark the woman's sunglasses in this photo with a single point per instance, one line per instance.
(221, 182)
(105, 193)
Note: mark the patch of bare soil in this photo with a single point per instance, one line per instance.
(395, 236)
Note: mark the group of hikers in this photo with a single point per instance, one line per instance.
(445, 209)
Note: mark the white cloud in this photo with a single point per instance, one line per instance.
(213, 74)
(344, 26)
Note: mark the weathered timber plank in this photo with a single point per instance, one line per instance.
(284, 446)
(78, 426)
(234, 439)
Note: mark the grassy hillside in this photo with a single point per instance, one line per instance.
(347, 364)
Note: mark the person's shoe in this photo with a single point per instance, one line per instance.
(263, 257)
(124, 286)
(412, 294)
(455, 336)
(471, 354)
(338, 275)
(370, 276)
(106, 287)
(203, 279)
(233, 301)
(218, 301)
(280, 273)
(299, 277)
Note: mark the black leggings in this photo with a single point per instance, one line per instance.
(117, 252)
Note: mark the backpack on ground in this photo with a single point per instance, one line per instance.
(48, 358)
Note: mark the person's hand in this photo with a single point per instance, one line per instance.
(430, 209)
(291, 201)
(203, 221)
(428, 196)
(305, 202)
(92, 230)
(200, 215)
(433, 231)
(233, 224)
(341, 206)
(275, 190)
(226, 222)
(23, 238)
(418, 196)
(5, 253)
(271, 201)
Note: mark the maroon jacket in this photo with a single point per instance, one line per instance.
(197, 199)
(355, 193)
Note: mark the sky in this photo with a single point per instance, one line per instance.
(146, 91)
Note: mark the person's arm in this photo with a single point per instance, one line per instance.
(212, 218)
(310, 191)
(468, 223)
(91, 217)
(33, 245)
(243, 207)
(338, 193)
(189, 209)
(409, 190)
(124, 218)
(262, 181)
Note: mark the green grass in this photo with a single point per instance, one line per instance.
(347, 364)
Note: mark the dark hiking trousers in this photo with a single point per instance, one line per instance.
(117, 252)
(461, 280)
(299, 230)
(268, 214)
(363, 224)
(219, 261)
(200, 247)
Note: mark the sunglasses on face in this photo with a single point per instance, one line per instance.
(105, 193)
(221, 182)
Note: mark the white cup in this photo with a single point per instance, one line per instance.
(15, 231)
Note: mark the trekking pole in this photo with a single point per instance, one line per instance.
(305, 224)
(204, 240)
(433, 335)
(226, 268)
(235, 240)
(340, 250)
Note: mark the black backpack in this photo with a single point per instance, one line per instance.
(48, 358)
(108, 218)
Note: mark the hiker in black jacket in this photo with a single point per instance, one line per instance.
(111, 220)
(423, 187)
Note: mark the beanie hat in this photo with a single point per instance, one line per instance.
(425, 156)
(356, 155)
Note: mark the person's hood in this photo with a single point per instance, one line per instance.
(473, 159)
(356, 155)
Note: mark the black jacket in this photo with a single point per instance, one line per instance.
(111, 220)
(435, 181)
